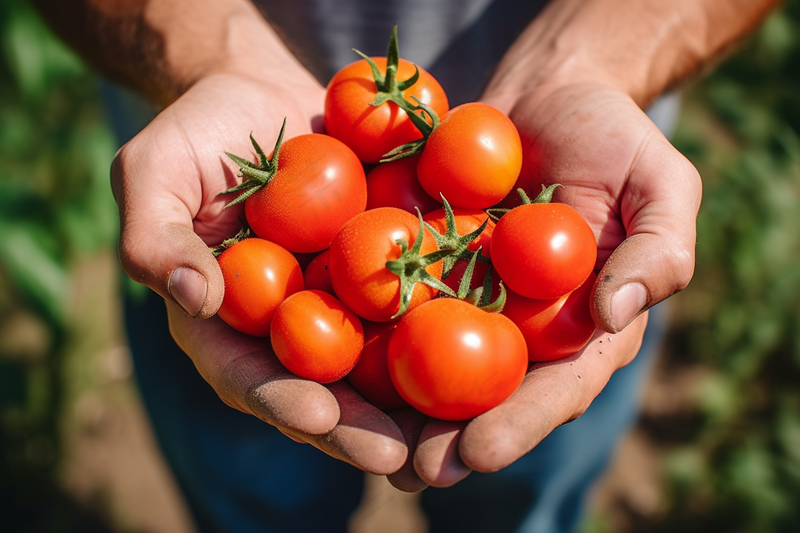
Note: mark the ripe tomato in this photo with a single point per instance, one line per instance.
(454, 361)
(357, 262)
(258, 276)
(543, 251)
(316, 275)
(316, 337)
(395, 184)
(319, 185)
(473, 157)
(370, 377)
(371, 131)
(553, 329)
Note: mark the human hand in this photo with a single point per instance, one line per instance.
(167, 182)
(641, 198)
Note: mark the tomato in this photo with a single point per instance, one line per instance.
(395, 184)
(543, 251)
(370, 377)
(473, 157)
(258, 276)
(319, 185)
(316, 337)
(454, 361)
(372, 131)
(316, 275)
(467, 221)
(557, 328)
(357, 262)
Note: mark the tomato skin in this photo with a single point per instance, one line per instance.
(316, 337)
(370, 377)
(553, 329)
(320, 185)
(371, 131)
(454, 361)
(258, 276)
(543, 251)
(316, 275)
(473, 157)
(395, 184)
(357, 262)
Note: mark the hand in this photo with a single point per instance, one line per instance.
(641, 197)
(167, 182)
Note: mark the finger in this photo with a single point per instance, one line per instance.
(551, 394)
(659, 211)
(365, 436)
(247, 376)
(437, 459)
(159, 198)
(411, 422)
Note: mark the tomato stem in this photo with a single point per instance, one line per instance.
(452, 240)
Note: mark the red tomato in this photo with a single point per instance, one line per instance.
(316, 337)
(454, 361)
(473, 157)
(395, 184)
(316, 275)
(370, 377)
(357, 262)
(371, 131)
(258, 276)
(553, 329)
(320, 185)
(543, 251)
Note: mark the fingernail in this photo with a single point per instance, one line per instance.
(188, 287)
(626, 304)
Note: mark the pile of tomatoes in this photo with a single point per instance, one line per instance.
(410, 289)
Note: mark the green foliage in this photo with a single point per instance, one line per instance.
(740, 317)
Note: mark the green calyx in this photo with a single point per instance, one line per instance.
(480, 297)
(414, 147)
(256, 176)
(243, 234)
(410, 268)
(387, 84)
(544, 197)
(451, 240)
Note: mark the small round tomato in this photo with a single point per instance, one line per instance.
(454, 361)
(372, 131)
(316, 337)
(319, 185)
(258, 276)
(370, 377)
(473, 157)
(543, 251)
(316, 275)
(395, 184)
(357, 262)
(553, 329)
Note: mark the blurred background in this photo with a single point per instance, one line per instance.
(718, 445)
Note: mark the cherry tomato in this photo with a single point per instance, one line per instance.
(553, 329)
(320, 185)
(316, 275)
(357, 262)
(258, 276)
(316, 337)
(370, 377)
(473, 157)
(371, 131)
(543, 251)
(395, 184)
(454, 361)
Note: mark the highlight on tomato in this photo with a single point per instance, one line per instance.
(316, 337)
(258, 276)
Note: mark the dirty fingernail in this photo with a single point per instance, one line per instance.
(188, 287)
(626, 304)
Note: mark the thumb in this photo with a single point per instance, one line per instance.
(659, 211)
(158, 245)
